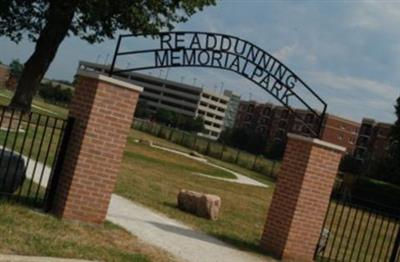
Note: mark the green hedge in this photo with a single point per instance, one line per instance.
(372, 193)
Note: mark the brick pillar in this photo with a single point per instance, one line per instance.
(301, 198)
(103, 109)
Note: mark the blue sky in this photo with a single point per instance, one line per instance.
(347, 51)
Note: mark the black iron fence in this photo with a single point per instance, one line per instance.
(357, 232)
(210, 148)
(29, 153)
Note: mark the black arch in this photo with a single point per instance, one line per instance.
(280, 90)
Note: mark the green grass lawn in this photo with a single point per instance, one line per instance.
(155, 183)
(27, 232)
(173, 162)
(37, 141)
(136, 134)
(358, 235)
(185, 142)
(38, 105)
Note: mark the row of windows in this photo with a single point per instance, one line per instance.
(215, 99)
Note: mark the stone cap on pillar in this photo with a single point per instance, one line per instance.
(104, 78)
(318, 142)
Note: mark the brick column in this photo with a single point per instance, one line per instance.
(103, 109)
(301, 198)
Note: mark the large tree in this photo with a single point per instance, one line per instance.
(48, 22)
(395, 133)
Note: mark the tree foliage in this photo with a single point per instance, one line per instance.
(55, 93)
(95, 20)
(48, 22)
(16, 68)
(245, 139)
(395, 133)
(180, 121)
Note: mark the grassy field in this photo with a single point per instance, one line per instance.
(210, 148)
(36, 141)
(358, 235)
(38, 105)
(27, 232)
(156, 184)
(136, 134)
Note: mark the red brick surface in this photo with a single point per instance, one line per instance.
(300, 200)
(103, 114)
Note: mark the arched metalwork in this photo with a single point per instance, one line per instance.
(213, 50)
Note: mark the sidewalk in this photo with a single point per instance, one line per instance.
(173, 236)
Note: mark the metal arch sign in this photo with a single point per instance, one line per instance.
(214, 50)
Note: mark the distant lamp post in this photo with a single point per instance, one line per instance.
(166, 75)
(106, 60)
(98, 59)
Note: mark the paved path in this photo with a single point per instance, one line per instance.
(173, 236)
(15, 258)
(241, 179)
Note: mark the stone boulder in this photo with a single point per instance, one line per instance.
(13, 177)
(202, 205)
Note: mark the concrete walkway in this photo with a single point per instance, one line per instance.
(15, 258)
(241, 179)
(173, 236)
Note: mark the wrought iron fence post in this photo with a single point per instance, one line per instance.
(194, 142)
(222, 151)
(55, 177)
(208, 147)
(272, 168)
(237, 156)
(396, 247)
(255, 161)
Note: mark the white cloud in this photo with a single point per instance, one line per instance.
(375, 15)
(285, 52)
(356, 97)
(355, 84)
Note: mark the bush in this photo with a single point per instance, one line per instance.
(350, 164)
(55, 94)
(385, 195)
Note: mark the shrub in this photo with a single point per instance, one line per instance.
(55, 94)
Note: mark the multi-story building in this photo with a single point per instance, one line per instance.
(276, 121)
(340, 131)
(232, 109)
(177, 97)
(373, 139)
(212, 108)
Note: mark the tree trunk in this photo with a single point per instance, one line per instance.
(59, 19)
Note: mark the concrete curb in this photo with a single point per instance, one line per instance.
(16, 258)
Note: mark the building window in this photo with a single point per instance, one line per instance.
(248, 118)
(309, 118)
(250, 109)
(340, 137)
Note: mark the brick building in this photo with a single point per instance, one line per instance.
(4, 75)
(373, 139)
(276, 121)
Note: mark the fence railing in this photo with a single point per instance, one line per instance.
(359, 233)
(210, 148)
(30, 144)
